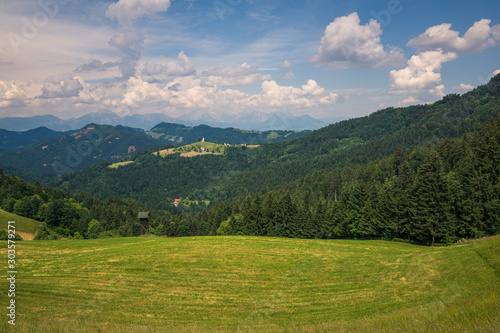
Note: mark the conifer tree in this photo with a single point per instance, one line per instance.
(431, 201)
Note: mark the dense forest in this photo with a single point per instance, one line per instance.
(426, 174)
(427, 194)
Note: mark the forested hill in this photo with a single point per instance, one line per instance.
(11, 140)
(406, 126)
(157, 180)
(52, 156)
(180, 135)
(368, 138)
(430, 194)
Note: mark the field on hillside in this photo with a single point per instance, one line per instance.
(119, 164)
(199, 284)
(25, 227)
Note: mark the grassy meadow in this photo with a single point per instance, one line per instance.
(211, 284)
(25, 227)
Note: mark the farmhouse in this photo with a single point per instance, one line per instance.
(176, 202)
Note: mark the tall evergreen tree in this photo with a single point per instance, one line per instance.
(431, 198)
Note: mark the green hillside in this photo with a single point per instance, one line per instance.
(177, 134)
(23, 224)
(93, 143)
(11, 139)
(207, 284)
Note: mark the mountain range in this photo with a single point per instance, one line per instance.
(12, 139)
(258, 121)
(74, 151)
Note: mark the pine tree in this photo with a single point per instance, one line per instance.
(431, 201)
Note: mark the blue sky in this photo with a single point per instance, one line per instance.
(326, 59)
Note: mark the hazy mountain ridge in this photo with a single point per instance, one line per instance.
(13, 139)
(77, 150)
(258, 121)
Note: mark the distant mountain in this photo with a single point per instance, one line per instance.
(75, 151)
(27, 123)
(258, 121)
(179, 134)
(12, 140)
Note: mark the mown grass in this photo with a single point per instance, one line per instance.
(23, 224)
(205, 284)
(119, 164)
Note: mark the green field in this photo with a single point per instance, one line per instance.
(119, 164)
(206, 284)
(24, 226)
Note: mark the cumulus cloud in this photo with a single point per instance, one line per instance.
(477, 38)
(139, 91)
(437, 91)
(346, 43)
(182, 67)
(286, 65)
(61, 86)
(422, 72)
(11, 94)
(125, 11)
(130, 46)
(232, 76)
(97, 65)
(408, 101)
(310, 94)
(188, 92)
(465, 86)
(495, 73)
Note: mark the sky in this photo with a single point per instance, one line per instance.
(325, 59)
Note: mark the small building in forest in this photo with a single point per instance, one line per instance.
(177, 202)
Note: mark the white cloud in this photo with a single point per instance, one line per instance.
(408, 101)
(124, 11)
(232, 76)
(422, 72)
(346, 43)
(312, 88)
(286, 65)
(495, 73)
(479, 37)
(437, 91)
(61, 86)
(308, 95)
(11, 94)
(182, 67)
(139, 91)
(188, 92)
(465, 86)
